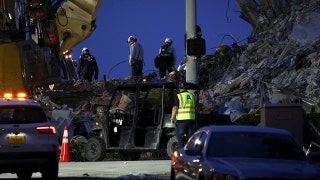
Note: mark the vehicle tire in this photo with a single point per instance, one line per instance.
(77, 148)
(129, 156)
(172, 146)
(51, 172)
(95, 149)
(24, 175)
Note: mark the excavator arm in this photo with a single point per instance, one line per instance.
(35, 34)
(76, 21)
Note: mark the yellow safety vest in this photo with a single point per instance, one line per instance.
(186, 110)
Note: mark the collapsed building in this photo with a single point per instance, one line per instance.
(279, 63)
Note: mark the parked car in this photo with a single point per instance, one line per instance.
(28, 141)
(236, 152)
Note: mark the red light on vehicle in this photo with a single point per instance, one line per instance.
(10, 95)
(21, 95)
(175, 161)
(174, 157)
(47, 129)
(7, 95)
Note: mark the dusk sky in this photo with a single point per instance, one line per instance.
(151, 22)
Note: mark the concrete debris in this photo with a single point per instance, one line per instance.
(282, 56)
(280, 63)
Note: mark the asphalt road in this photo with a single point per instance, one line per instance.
(109, 170)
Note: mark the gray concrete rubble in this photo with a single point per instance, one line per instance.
(280, 63)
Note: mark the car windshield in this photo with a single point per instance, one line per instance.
(254, 145)
(21, 115)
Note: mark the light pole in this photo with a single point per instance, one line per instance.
(191, 64)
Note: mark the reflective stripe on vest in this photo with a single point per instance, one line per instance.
(186, 110)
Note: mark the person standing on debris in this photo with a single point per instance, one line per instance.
(166, 59)
(183, 111)
(136, 58)
(87, 66)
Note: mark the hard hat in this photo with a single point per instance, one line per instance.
(168, 40)
(182, 85)
(85, 49)
(131, 37)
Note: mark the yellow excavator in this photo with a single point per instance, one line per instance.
(34, 37)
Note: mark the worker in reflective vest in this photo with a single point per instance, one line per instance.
(183, 111)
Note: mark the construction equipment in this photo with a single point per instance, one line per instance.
(34, 34)
(129, 119)
(136, 120)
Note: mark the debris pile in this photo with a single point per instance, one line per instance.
(279, 64)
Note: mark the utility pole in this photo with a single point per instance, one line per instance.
(194, 45)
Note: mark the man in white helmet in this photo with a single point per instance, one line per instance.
(136, 58)
(166, 59)
(87, 66)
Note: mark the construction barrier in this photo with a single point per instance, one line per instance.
(65, 153)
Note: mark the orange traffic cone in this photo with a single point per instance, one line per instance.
(65, 153)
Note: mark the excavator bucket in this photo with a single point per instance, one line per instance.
(76, 22)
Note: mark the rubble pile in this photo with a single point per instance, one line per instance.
(279, 64)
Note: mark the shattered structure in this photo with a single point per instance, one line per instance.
(279, 64)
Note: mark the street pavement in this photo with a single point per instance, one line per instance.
(109, 170)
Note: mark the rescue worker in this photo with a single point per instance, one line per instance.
(167, 58)
(87, 67)
(183, 111)
(83, 121)
(136, 58)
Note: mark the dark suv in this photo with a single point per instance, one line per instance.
(28, 141)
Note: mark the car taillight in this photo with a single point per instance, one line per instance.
(176, 161)
(46, 129)
(174, 157)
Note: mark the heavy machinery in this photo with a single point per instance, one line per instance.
(136, 120)
(35, 34)
(128, 120)
(36, 37)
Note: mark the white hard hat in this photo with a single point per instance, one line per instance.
(131, 37)
(85, 49)
(168, 40)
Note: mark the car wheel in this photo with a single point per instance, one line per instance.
(129, 156)
(172, 146)
(95, 149)
(51, 172)
(24, 175)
